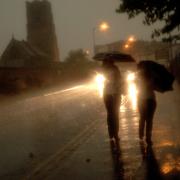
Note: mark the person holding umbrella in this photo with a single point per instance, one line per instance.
(151, 77)
(113, 87)
(112, 96)
(146, 104)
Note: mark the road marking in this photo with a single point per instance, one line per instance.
(53, 161)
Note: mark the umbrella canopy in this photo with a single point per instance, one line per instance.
(115, 56)
(162, 79)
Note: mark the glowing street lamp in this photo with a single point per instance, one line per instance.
(126, 46)
(87, 52)
(129, 42)
(131, 39)
(104, 26)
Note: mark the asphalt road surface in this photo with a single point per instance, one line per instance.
(62, 134)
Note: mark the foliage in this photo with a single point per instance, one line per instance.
(77, 65)
(175, 67)
(167, 11)
(77, 56)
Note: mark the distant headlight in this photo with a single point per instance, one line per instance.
(100, 83)
(131, 77)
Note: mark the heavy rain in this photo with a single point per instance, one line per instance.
(89, 90)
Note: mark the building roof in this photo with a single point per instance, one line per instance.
(22, 54)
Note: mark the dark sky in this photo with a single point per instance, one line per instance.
(74, 21)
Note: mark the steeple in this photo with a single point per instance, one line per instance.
(41, 28)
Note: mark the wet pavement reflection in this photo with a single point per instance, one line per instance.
(162, 160)
(149, 166)
(117, 159)
(66, 132)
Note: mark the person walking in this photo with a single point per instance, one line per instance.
(146, 104)
(112, 96)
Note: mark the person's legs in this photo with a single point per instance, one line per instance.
(149, 119)
(116, 106)
(108, 100)
(142, 112)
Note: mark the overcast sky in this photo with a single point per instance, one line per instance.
(74, 21)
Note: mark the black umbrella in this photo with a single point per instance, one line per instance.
(115, 56)
(162, 79)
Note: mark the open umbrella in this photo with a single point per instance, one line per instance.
(162, 79)
(115, 56)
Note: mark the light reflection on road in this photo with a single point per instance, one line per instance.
(97, 85)
(66, 90)
(129, 127)
(128, 108)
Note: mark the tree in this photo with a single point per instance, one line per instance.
(77, 57)
(167, 11)
(77, 65)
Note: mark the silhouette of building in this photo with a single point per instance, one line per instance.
(41, 28)
(140, 50)
(35, 61)
(20, 54)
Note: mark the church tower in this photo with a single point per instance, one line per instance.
(41, 29)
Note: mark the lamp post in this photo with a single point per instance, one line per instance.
(94, 41)
(101, 27)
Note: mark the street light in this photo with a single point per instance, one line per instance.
(87, 52)
(131, 39)
(129, 42)
(126, 46)
(102, 27)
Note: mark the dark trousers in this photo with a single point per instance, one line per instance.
(146, 109)
(112, 103)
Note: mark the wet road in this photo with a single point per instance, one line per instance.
(56, 135)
